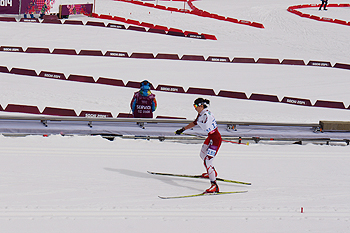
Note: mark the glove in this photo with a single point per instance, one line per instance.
(180, 131)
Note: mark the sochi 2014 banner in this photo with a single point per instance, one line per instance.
(9, 6)
(27, 6)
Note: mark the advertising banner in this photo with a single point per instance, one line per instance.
(9, 7)
(36, 6)
(76, 9)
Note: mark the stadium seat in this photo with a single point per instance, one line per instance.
(105, 16)
(292, 62)
(110, 81)
(218, 59)
(142, 55)
(243, 60)
(319, 63)
(4, 69)
(135, 28)
(37, 50)
(342, 66)
(329, 104)
(64, 51)
(175, 33)
(193, 58)
(91, 52)
(121, 19)
(117, 26)
(131, 21)
(52, 21)
(116, 54)
(54, 75)
(97, 24)
(125, 115)
(22, 109)
(73, 22)
(148, 25)
(81, 78)
(159, 31)
(11, 49)
(209, 37)
(200, 91)
(169, 88)
(268, 61)
(232, 94)
(95, 114)
(22, 71)
(167, 56)
(29, 20)
(264, 97)
(296, 101)
(134, 84)
(8, 19)
(59, 111)
(170, 117)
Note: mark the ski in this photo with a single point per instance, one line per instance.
(198, 176)
(201, 194)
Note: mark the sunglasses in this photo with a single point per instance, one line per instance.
(197, 105)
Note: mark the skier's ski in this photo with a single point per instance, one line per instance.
(198, 176)
(201, 194)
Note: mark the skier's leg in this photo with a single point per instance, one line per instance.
(321, 5)
(203, 152)
(208, 163)
(204, 156)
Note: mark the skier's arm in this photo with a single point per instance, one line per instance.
(133, 105)
(189, 126)
(133, 102)
(154, 104)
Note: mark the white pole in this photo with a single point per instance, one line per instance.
(19, 7)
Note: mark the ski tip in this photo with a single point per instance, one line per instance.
(201, 194)
(244, 191)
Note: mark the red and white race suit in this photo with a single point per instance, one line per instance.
(206, 120)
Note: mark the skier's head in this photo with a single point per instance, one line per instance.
(145, 85)
(201, 102)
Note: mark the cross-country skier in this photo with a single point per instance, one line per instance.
(212, 143)
(324, 5)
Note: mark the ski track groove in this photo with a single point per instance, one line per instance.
(169, 213)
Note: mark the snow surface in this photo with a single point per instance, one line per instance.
(89, 184)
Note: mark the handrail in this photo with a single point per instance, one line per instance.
(148, 120)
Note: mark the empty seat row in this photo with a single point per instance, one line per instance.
(164, 88)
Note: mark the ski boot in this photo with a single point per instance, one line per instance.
(214, 188)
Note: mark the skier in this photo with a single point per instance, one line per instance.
(212, 143)
(143, 103)
(324, 3)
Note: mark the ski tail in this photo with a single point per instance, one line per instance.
(198, 176)
(233, 181)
